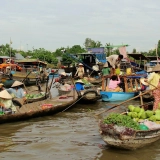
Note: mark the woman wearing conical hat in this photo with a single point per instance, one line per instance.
(154, 80)
(17, 90)
(6, 102)
(80, 71)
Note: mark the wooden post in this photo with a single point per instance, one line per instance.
(125, 83)
(103, 89)
(131, 84)
(136, 85)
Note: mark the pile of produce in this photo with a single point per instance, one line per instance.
(138, 113)
(34, 96)
(121, 120)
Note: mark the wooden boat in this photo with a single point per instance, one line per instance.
(138, 140)
(40, 108)
(86, 96)
(89, 96)
(116, 96)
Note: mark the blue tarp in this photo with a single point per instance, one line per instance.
(101, 57)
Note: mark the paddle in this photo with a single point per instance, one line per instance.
(26, 76)
(125, 102)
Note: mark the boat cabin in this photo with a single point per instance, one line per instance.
(31, 64)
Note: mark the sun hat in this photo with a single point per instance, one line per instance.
(1, 84)
(142, 80)
(5, 94)
(63, 73)
(16, 83)
(156, 68)
(80, 64)
(105, 65)
(149, 70)
(79, 81)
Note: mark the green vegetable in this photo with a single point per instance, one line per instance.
(157, 111)
(137, 109)
(149, 113)
(121, 120)
(134, 114)
(129, 114)
(152, 118)
(131, 108)
(142, 110)
(157, 117)
(143, 115)
(139, 114)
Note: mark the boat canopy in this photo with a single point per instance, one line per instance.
(138, 56)
(32, 61)
(152, 57)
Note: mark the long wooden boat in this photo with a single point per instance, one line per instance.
(40, 108)
(116, 96)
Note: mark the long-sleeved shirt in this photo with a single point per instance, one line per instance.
(113, 84)
(153, 79)
(8, 104)
(113, 60)
(19, 93)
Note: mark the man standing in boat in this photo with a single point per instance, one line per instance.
(113, 62)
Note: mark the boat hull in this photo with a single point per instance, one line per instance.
(116, 96)
(129, 144)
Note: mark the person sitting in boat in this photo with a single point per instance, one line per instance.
(17, 91)
(113, 62)
(6, 103)
(79, 85)
(80, 71)
(2, 87)
(113, 84)
(153, 82)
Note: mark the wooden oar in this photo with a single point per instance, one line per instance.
(125, 102)
(26, 76)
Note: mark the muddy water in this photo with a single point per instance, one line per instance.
(71, 135)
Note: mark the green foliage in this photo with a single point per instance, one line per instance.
(89, 43)
(121, 120)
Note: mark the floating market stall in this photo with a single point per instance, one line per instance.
(129, 88)
(40, 108)
(130, 130)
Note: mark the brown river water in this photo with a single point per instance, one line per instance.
(69, 135)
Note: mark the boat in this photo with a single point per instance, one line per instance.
(116, 96)
(89, 96)
(126, 138)
(85, 96)
(41, 108)
(137, 140)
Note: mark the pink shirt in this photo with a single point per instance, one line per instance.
(113, 84)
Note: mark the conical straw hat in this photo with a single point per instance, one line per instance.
(16, 83)
(142, 80)
(156, 68)
(79, 81)
(5, 94)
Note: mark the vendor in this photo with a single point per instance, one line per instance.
(16, 90)
(154, 81)
(80, 71)
(6, 103)
(113, 62)
(79, 85)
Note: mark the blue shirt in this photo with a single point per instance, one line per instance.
(79, 86)
(19, 93)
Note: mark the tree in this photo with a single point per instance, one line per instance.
(134, 50)
(89, 43)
